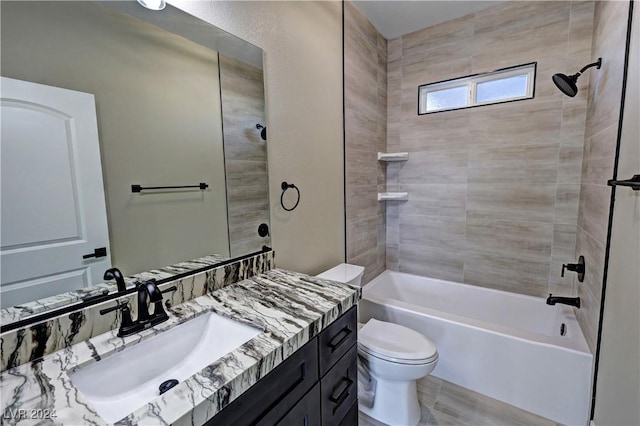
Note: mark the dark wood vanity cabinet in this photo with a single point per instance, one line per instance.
(316, 386)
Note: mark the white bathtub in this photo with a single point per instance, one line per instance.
(503, 345)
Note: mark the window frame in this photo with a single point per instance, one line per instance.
(471, 83)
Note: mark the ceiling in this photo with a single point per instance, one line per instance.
(396, 18)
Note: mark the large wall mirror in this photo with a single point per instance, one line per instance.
(98, 97)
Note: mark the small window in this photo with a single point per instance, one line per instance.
(509, 84)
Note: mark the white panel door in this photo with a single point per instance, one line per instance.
(52, 200)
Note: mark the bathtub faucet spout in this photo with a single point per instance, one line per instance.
(571, 301)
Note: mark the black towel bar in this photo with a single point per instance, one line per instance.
(138, 188)
(633, 183)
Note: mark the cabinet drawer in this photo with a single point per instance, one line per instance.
(306, 412)
(338, 388)
(337, 339)
(276, 393)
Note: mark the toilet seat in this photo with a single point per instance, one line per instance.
(395, 343)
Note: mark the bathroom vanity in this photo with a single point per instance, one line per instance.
(316, 385)
(300, 365)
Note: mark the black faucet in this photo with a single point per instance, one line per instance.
(148, 292)
(571, 301)
(115, 274)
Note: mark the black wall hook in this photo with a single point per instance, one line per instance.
(285, 186)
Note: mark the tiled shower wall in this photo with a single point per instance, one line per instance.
(242, 92)
(365, 55)
(603, 109)
(493, 190)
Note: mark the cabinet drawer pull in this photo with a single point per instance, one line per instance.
(343, 394)
(339, 338)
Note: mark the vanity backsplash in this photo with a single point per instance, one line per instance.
(33, 341)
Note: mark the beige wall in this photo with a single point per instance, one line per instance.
(158, 105)
(245, 154)
(365, 53)
(302, 42)
(605, 89)
(618, 390)
(493, 190)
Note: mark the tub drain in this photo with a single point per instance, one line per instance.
(166, 385)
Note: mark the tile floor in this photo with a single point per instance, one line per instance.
(444, 403)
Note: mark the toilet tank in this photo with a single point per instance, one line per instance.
(344, 273)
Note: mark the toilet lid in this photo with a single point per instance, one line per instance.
(395, 341)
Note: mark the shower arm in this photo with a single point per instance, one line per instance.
(596, 64)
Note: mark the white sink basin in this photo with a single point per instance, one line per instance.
(123, 382)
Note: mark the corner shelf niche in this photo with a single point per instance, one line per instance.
(388, 157)
(393, 156)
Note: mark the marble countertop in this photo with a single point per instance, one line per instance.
(290, 307)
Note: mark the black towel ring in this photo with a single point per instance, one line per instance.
(284, 187)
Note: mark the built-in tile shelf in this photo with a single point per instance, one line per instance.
(393, 156)
(393, 196)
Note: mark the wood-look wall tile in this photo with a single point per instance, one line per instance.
(394, 49)
(393, 223)
(418, 73)
(392, 256)
(600, 155)
(532, 164)
(443, 233)
(455, 31)
(443, 199)
(567, 204)
(431, 262)
(522, 239)
(362, 95)
(574, 115)
(605, 84)
(362, 166)
(360, 130)
(369, 260)
(593, 215)
(580, 32)
(588, 316)
(241, 173)
(511, 201)
(361, 201)
(362, 235)
(248, 198)
(508, 18)
(507, 271)
(505, 47)
(591, 289)
(435, 132)
(570, 164)
(448, 166)
(522, 122)
(437, 54)
(564, 241)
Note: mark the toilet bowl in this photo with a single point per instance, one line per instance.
(395, 357)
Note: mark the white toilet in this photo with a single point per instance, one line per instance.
(395, 356)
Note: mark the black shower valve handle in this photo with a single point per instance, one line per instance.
(579, 268)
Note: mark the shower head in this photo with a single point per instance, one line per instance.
(263, 131)
(567, 83)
